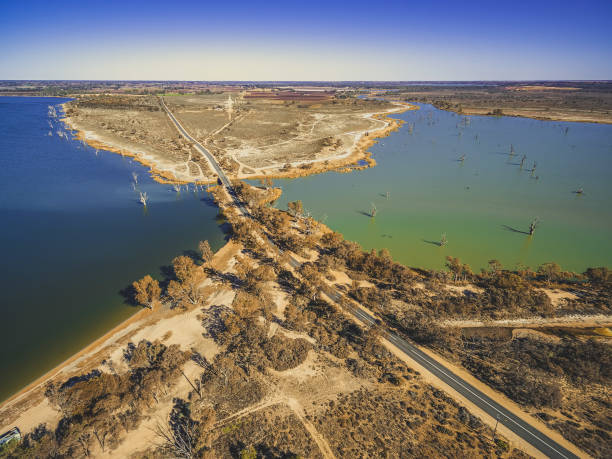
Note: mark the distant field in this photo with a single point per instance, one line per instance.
(571, 101)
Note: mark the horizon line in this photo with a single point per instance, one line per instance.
(540, 80)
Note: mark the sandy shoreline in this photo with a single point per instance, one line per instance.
(136, 320)
(339, 163)
(359, 152)
(524, 113)
(157, 174)
(136, 317)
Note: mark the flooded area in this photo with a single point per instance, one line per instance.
(478, 183)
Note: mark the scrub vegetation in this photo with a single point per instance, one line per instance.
(248, 137)
(273, 368)
(246, 353)
(562, 101)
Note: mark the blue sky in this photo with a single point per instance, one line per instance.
(317, 40)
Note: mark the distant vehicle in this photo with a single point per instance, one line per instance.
(7, 437)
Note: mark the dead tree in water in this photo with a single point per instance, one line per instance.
(512, 152)
(533, 225)
(523, 161)
(144, 198)
(443, 240)
(373, 211)
(533, 167)
(135, 177)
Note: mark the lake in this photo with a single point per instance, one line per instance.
(73, 236)
(455, 175)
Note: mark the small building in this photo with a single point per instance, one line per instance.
(7, 437)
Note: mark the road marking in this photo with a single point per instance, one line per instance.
(402, 344)
(411, 350)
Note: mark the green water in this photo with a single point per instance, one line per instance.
(483, 203)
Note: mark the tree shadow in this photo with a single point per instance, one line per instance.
(208, 199)
(195, 256)
(229, 278)
(436, 243)
(514, 230)
(129, 293)
(76, 379)
(167, 271)
(362, 212)
(351, 332)
(212, 321)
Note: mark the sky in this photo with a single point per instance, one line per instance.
(306, 40)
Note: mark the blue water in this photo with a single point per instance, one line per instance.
(73, 235)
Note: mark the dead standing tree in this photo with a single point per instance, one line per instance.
(533, 225)
(178, 439)
(144, 198)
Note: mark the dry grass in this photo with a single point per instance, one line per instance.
(256, 137)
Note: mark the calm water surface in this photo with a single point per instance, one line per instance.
(72, 236)
(483, 203)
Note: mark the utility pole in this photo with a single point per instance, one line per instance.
(496, 423)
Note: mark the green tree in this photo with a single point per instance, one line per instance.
(189, 279)
(495, 266)
(205, 251)
(146, 291)
(296, 207)
(550, 271)
(248, 453)
(599, 275)
(454, 266)
(183, 267)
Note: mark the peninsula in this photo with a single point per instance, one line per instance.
(291, 341)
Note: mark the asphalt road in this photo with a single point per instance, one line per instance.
(220, 173)
(524, 430)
